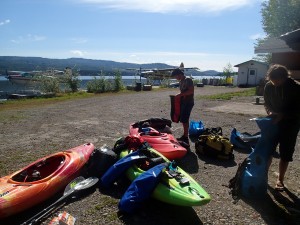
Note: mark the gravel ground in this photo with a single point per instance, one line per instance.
(29, 134)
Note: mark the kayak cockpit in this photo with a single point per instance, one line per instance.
(40, 169)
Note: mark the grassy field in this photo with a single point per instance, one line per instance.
(230, 95)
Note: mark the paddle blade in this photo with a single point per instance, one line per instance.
(87, 183)
(70, 187)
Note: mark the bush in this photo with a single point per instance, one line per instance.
(165, 82)
(118, 83)
(71, 79)
(97, 85)
(49, 84)
(102, 85)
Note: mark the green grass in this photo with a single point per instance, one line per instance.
(19, 104)
(228, 96)
(8, 117)
(38, 101)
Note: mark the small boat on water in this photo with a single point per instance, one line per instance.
(41, 179)
(32, 77)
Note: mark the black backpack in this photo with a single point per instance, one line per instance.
(235, 183)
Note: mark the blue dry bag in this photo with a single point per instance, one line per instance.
(254, 179)
(196, 128)
(141, 188)
(119, 168)
(244, 141)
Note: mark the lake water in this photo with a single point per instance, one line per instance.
(7, 86)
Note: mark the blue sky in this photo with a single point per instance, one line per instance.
(207, 34)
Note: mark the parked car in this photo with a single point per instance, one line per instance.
(174, 85)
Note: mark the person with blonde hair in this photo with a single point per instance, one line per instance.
(281, 95)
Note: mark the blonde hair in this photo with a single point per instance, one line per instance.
(277, 71)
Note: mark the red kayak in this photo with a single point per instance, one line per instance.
(41, 179)
(164, 143)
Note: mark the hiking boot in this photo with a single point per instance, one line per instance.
(184, 141)
(183, 138)
(186, 145)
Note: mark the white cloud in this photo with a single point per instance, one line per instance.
(4, 22)
(177, 6)
(257, 36)
(78, 52)
(28, 38)
(79, 40)
(31, 37)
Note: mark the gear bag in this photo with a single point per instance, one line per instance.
(196, 128)
(175, 108)
(117, 169)
(244, 141)
(141, 188)
(214, 145)
(156, 123)
(251, 179)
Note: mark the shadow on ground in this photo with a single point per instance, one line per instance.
(155, 212)
(26, 216)
(152, 211)
(277, 208)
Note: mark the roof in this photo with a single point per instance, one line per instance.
(249, 61)
(289, 42)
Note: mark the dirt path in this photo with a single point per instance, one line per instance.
(29, 134)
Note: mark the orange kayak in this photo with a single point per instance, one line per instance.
(41, 179)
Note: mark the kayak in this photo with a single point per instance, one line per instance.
(164, 143)
(41, 179)
(175, 186)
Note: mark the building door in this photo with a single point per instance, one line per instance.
(251, 77)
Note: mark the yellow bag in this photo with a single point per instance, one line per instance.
(215, 146)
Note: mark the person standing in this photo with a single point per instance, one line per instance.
(281, 95)
(186, 94)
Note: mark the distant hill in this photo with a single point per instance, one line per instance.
(86, 66)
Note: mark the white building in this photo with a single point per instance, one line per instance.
(251, 73)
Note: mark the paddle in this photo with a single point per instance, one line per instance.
(73, 187)
(67, 192)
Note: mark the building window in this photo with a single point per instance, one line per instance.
(252, 72)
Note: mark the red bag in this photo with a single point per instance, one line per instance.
(175, 108)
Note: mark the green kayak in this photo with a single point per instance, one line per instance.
(176, 186)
